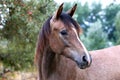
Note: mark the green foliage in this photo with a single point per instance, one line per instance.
(67, 6)
(82, 12)
(95, 37)
(111, 12)
(18, 36)
(117, 32)
(96, 7)
(109, 20)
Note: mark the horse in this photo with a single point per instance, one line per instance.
(59, 50)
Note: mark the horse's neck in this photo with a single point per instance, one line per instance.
(56, 66)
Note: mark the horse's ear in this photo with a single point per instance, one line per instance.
(71, 11)
(58, 12)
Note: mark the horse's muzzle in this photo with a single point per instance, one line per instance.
(85, 62)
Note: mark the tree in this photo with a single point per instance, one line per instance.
(110, 14)
(117, 26)
(95, 37)
(21, 25)
(67, 6)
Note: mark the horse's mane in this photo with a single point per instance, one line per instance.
(45, 32)
(42, 39)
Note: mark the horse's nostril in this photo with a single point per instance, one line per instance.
(84, 59)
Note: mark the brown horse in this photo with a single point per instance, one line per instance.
(59, 51)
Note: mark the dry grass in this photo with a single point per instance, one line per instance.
(18, 75)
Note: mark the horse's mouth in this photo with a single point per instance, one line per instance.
(83, 65)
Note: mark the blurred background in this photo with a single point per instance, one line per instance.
(21, 20)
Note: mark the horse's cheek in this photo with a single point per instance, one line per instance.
(56, 45)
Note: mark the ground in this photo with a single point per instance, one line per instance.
(18, 75)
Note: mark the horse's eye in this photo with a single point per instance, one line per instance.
(64, 32)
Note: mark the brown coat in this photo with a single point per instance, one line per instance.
(105, 65)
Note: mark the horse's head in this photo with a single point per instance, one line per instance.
(64, 37)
